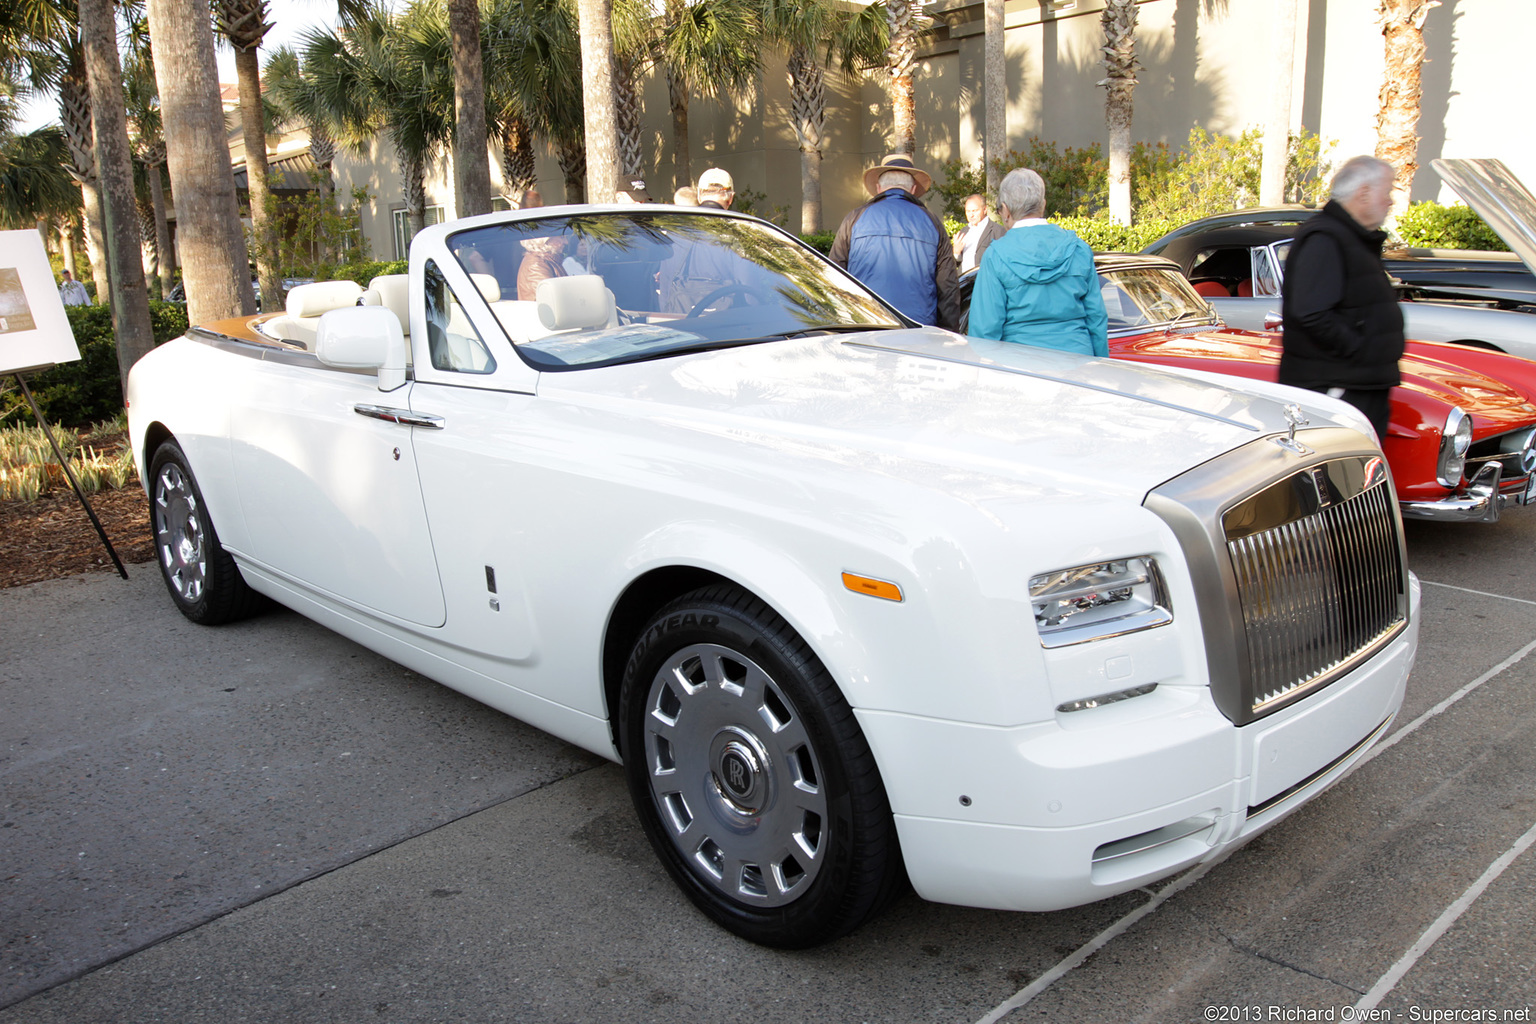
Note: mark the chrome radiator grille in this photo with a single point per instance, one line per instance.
(1319, 572)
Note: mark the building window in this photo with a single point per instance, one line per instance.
(431, 215)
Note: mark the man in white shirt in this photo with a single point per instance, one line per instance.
(73, 292)
(980, 231)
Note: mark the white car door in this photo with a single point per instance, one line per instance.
(329, 490)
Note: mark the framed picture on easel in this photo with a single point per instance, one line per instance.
(34, 332)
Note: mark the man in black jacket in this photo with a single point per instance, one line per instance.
(1343, 327)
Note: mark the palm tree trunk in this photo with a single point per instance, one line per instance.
(144, 207)
(899, 60)
(1277, 131)
(1397, 140)
(162, 228)
(471, 159)
(131, 325)
(517, 158)
(413, 182)
(248, 71)
(67, 248)
(573, 166)
(595, 18)
(995, 70)
(1120, 65)
(631, 128)
(322, 150)
(682, 160)
(75, 116)
(808, 111)
(214, 255)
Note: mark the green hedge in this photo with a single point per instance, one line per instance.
(86, 391)
(1433, 226)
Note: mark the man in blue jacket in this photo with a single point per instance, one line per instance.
(900, 250)
(1037, 284)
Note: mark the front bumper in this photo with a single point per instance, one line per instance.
(1481, 502)
(1096, 803)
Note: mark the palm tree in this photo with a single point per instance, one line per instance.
(143, 100)
(1397, 141)
(292, 88)
(903, 17)
(213, 249)
(1277, 131)
(34, 183)
(815, 33)
(533, 85)
(595, 25)
(709, 47)
(376, 76)
(1120, 64)
(471, 169)
(130, 300)
(995, 72)
(244, 23)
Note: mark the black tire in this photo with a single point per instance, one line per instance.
(751, 776)
(203, 579)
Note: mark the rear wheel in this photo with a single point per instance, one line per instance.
(203, 579)
(751, 776)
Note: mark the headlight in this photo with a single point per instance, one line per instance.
(1455, 439)
(1091, 602)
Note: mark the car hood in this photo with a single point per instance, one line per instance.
(1427, 368)
(1499, 198)
(914, 402)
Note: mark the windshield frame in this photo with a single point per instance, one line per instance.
(844, 299)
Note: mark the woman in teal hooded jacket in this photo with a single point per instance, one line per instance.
(1037, 284)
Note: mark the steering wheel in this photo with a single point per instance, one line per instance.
(746, 291)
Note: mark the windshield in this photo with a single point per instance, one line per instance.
(1146, 297)
(596, 289)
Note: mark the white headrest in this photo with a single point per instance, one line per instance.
(393, 292)
(571, 302)
(490, 288)
(322, 296)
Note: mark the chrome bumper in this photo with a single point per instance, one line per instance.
(1481, 502)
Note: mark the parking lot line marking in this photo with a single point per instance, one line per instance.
(1099, 941)
(1480, 593)
(1443, 923)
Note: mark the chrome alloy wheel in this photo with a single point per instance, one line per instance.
(179, 533)
(733, 773)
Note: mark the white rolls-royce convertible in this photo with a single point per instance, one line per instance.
(854, 601)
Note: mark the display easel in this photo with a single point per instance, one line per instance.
(35, 335)
(74, 482)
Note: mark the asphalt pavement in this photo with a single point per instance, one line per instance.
(265, 822)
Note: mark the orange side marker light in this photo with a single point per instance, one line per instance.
(884, 589)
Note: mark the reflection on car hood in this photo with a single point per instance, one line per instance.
(1428, 368)
(930, 406)
(1499, 198)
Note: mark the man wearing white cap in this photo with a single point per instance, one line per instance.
(898, 248)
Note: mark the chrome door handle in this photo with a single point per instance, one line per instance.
(402, 416)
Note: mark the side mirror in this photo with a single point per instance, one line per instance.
(1273, 321)
(363, 338)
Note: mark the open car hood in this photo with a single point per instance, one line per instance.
(1499, 198)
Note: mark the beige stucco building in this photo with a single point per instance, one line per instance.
(1205, 63)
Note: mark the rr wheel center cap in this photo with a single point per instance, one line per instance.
(740, 771)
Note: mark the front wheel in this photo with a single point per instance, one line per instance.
(751, 776)
(202, 577)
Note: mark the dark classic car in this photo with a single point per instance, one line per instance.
(1462, 443)
(1238, 261)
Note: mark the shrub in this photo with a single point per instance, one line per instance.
(1104, 235)
(1076, 180)
(1219, 173)
(364, 271)
(1447, 227)
(821, 241)
(87, 390)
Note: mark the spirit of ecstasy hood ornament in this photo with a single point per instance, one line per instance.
(1295, 418)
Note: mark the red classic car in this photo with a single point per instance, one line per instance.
(1462, 443)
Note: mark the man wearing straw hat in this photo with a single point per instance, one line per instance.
(896, 247)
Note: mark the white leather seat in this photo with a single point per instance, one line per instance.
(572, 303)
(306, 303)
